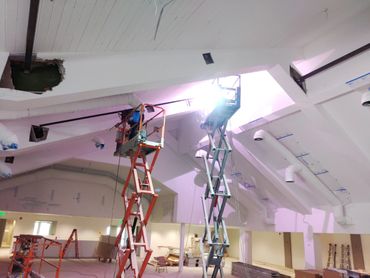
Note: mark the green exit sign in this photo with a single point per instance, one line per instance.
(2, 213)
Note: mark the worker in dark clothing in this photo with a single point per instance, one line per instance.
(134, 122)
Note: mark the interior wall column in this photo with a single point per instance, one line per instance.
(312, 249)
(357, 252)
(2, 229)
(182, 247)
(288, 250)
(245, 246)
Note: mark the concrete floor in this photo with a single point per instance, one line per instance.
(92, 268)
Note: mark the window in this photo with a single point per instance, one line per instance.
(112, 230)
(44, 228)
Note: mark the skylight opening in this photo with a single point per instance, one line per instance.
(261, 96)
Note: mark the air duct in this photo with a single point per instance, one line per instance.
(290, 173)
(365, 98)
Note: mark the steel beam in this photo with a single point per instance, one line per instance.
(31, 31)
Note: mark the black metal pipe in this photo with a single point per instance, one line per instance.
(84, 118)
(300, 79)
(337, 61)
(31, 30)
(108, 113)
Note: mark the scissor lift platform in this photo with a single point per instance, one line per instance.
(130, 147)
(217, 191)
(136, 217)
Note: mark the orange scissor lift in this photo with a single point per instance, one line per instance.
(137, 141)
(29, 251)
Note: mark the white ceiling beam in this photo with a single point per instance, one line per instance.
(319, 122)
(299, 202)
(308, 176)
(96, 76)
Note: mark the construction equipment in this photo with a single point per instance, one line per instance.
(133, 141)
(217, 190)
(345, 260)
(28, 249)
(69, 241)
(26, 252)
(348, 264)
(332, 255)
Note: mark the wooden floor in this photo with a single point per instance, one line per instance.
(92, 268)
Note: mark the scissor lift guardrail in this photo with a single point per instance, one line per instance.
(135, 219)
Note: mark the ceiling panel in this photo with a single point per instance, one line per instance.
(2, 25)
(347, 112)
(122, 25)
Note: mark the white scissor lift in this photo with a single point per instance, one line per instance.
(217, 190)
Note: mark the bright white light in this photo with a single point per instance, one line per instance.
(206, 96)
(200, 153)
(42, 228)
(261, 95)
(36, 227)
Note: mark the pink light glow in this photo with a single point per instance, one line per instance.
(261, 95)
(321, 221)
(307, 65)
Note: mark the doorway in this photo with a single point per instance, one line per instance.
(6, 232)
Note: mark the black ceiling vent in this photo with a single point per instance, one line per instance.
(9, 159)
(208, 58)
(38, 133)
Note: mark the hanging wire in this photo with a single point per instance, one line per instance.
(160, 17)
(113, 204)
(115, 189)
(191, 216)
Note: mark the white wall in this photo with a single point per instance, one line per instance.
(164, 209)
(234, 237)
(89, 229)
(66, 193)
(268, 247)
(165, 234)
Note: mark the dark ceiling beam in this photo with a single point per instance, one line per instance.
(31, 30)
(301, 79)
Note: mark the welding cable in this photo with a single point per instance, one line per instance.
(113, 204)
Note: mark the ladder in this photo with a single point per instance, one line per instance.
(69, 241)
(217, 191)
(136, 218)
(345, 262)
(332, 255)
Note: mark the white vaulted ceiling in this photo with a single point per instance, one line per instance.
(129, 25)
(112, 62)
